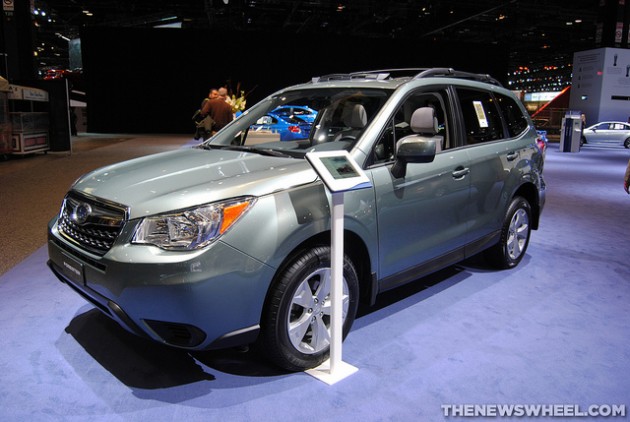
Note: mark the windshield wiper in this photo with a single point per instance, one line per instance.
(261, 151)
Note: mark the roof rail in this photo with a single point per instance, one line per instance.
(452, 73)
(416, 73)
(378, 75)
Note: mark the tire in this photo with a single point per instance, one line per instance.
(626, 143)
(583, 141)
(295, 327)
(515, 234)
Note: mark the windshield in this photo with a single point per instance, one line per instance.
(300, 121)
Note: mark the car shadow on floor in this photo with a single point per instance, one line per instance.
(145, 364)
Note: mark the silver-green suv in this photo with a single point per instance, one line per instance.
(227, 243)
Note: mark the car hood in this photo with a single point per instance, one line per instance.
(177, 180)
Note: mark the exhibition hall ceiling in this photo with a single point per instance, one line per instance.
(537, 32)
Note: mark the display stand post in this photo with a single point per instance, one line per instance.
(336, 262)
(340, 173)
(334, 369)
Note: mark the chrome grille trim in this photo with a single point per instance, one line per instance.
(95, 232)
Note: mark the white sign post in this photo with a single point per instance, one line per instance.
(340, 173)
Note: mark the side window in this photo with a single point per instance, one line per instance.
(284, 111)
(482, 122)
(515, 120)
(400, 125)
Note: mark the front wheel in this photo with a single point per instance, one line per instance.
(626, 143)
(295, 327)
(515, 234)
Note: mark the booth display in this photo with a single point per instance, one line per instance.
(571, 132)
(29, 127)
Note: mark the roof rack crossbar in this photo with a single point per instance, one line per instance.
(331, 77)
(408, 71)
(377, 75)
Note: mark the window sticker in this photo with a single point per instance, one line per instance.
(481, 114)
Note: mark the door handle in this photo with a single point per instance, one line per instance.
(511, 156)
(460, 173)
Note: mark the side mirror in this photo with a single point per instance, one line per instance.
(413, 149)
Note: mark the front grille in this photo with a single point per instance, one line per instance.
(91, 224)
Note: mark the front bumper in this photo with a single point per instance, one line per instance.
(196, 300)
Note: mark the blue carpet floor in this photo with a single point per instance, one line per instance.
(555, 330)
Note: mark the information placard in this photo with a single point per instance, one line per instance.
(338, 170)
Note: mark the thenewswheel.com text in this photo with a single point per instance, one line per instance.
(533, 410)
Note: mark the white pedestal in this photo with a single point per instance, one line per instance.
(323, 373)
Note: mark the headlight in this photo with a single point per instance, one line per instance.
(193, 228)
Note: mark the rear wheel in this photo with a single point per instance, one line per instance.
(626, 143)
(515, 235)
(295, 331)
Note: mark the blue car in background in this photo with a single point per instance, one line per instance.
(301, 112)
(288, 127)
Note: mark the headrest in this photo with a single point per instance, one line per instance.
(423, 120)
(355, 116)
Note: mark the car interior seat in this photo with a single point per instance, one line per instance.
(354, 118)
(424, 125)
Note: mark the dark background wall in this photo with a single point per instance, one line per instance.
(153, 80)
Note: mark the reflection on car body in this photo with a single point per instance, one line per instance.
(287, 127)
(302, 112)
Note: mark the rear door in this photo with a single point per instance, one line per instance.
(494, 150)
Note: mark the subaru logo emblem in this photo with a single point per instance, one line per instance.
(81, 213)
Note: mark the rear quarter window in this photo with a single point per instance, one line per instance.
(515, 120)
